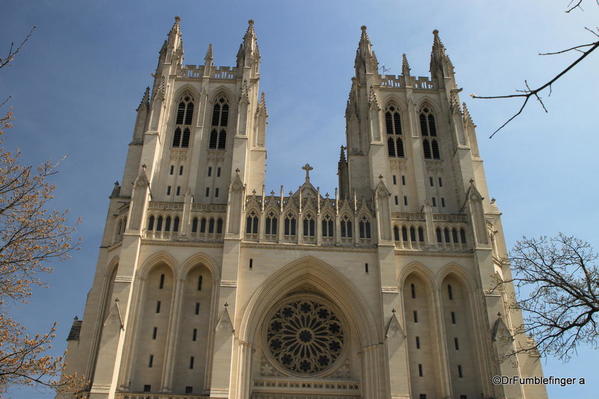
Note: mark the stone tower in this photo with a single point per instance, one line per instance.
(206, 286)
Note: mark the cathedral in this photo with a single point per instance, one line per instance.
(206, 286)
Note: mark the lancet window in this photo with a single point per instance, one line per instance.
(290, 225)
(328, 227)
(428, 129)
(251, 223)
(364, 227)
(184, 119)
(346, 227)
(309, 226)
(220, 119)
(393, 129)
(270, 225)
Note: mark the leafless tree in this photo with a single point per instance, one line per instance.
(557, 281)
(527, 93)
(32, 237)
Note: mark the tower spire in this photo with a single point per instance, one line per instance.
(249, 54)
(366, 62)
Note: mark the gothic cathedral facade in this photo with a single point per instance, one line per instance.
(206, 286)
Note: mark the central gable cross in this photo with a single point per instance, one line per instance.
(307, 168)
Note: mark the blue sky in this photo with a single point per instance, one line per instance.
(76, 85)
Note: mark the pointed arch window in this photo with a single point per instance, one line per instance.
(393, 129)
(309, 226)
(396, 233)
(211, 226)
(203, 225)
(346, 227)
(290, 225)
(194, 225)
(364, 227)
(251, 223)
(328, 227)
(220, 120)
(271, 224)
(219, 226)
(182, 134)
(428, 129)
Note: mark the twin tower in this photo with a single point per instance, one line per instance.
(206, 286)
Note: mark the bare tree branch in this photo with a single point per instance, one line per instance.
(528, 93)
(12, 52)
(572, 7)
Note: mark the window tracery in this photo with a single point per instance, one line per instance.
(305, 336)
(428, 129)
(393, 129)
(182, 133)
(220, 120)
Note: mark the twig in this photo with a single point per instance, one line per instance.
(526, 94)
(12, 53)
(577, 5)
(569, 49)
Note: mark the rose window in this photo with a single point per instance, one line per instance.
(305, 336)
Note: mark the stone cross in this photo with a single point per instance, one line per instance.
(307, 168)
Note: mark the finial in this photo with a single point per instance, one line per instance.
(380, 177)
(237, 170)
(436, 32)
(307, 168)
(251, 22)
(177, 19)
(75, 318)
(116, 183)
(226, 305)
(363, 27)
(393, 310)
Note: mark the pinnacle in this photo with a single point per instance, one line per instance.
(342, 155)
(208, 58)
(405, 66)
(250, 33)
(437, 43)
